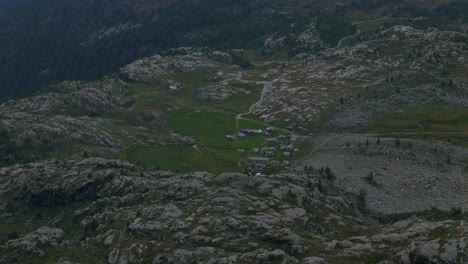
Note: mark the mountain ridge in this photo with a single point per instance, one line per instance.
(268, 132)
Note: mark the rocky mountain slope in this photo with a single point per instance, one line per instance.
(109, 211)
(357, 108)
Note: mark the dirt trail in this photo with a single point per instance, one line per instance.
(367, 21)
(201, 152)
(266, 89)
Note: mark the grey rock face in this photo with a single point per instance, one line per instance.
(127, 214)
(32, 244)
(406, 180)
(151, 69)
(427, 253)
(437, 252)
(313, 260)
(265, 256)
(71, 117)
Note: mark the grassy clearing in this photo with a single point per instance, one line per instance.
(248, 123)
(209, 128)
(240, 102)
(208, 121)
(429, 3)
(193, 79)
(425, 122)
(176, 158)
(79, 256)
(158, 98)
(7, 229)
(215, 153)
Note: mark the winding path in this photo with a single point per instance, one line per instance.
(266, 89)
(348, 37)
(201, 152)
(133, 144)
(304, 159)
(367, 21)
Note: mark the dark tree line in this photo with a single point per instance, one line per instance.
(8, 5)
(48, 41)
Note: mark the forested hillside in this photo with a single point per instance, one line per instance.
(43, 42)
(7, 5)
(60, 40)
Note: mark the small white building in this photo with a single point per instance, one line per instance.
(174, 88)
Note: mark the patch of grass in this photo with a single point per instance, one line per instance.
(193, 79)
(229, 155)
(425, 122)
(176, 158)
(209, 128)
(6, 231)
(444, 233)
(248, 123)
(240, 102)
(350, 229)
(429, 3)
(215, 153)
(79, 256)
(208, 121)
(433, 214)
(158, 98)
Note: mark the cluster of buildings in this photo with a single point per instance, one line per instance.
(257, 132)
(265, 151)
(245, 132)
(258, 164)
(284, 144)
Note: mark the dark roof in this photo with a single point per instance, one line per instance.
(258, 159)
